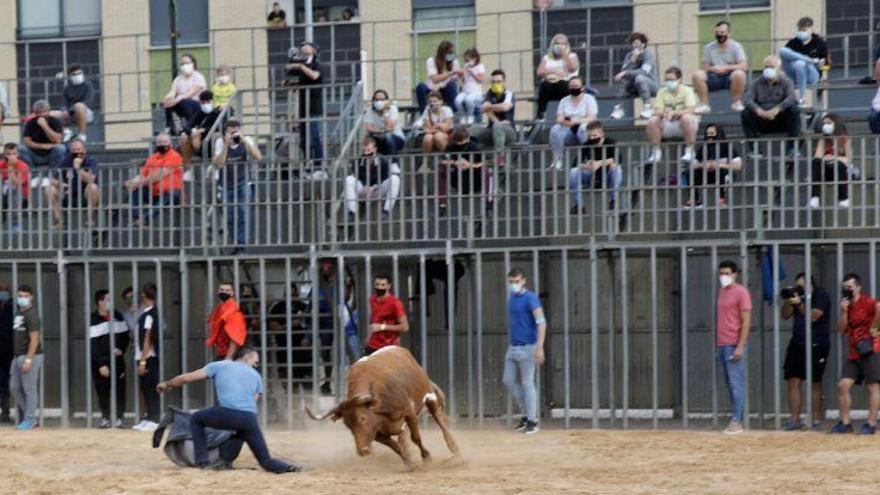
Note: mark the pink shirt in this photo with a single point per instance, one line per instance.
(732, 300)
(183, 85)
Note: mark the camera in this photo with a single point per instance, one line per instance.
(236, 139)
(296, 56)
(791, 292)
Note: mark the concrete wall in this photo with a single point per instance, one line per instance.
(9, 70)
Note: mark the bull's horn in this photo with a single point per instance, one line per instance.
(322, 418)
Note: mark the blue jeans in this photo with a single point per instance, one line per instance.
(313, 136)
(799, 68)
(186, 109)
(580, 179)
(735, 377)
(52, 159)
(874, 121)
(521, 359)
(238, 211)
(449, 92)
(389, 143)
(152, 205)
(247, 430)
(562, 136)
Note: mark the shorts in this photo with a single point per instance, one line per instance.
(796, 363)
(672, 129)
(90, 115)
(718, 81)
(866, 369)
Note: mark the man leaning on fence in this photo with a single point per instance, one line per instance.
(234, 155)
(733, 324)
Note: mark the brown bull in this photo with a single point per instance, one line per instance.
(386, 391)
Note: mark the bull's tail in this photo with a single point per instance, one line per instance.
(438, 412)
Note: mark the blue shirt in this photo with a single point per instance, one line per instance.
(523, 327)
(236, 384)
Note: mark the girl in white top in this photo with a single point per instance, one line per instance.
(183, 98)
(436, 122)
(557, 68)
(471, 96)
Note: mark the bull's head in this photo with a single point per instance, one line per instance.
(360, 415)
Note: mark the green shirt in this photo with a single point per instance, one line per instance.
(22, 326)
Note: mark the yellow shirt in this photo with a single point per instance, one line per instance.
(667, 100)
(222, 93)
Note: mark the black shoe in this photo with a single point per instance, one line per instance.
(531, 428)
(218, 465)
(5, 418)
(298, 468)
(522, 424)
(325, 389)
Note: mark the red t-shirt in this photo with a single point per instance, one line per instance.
(732, 301)
(388, 310)
(171, 182)
(24, 173)
(860, 316)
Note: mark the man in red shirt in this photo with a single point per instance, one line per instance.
(159, 183)
(387, 317)
(859, 317)
(228, 327)
(15, 176)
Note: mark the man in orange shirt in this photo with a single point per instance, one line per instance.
(160, 182)
(15, 177)
(228, 327)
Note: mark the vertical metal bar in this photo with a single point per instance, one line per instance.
(450, 321)
(209, 389)
(135, 292)
(624, 323)
(654, 340)
(683, 265)
(777, 382)
(87, 289)
(566, 342)
(160, 314)
(423, 311)
(469, 328)
(713, 268)
(183, 267)
(594, 331)
(315, 340)
(612, 296)
(509, 401)
(288, 333)
(264, 399)
(111, 287)
(536, 285)
(64, 338)
(478, 294)
(743, 256)
(808, 319)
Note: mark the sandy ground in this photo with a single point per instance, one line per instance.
(492, 461)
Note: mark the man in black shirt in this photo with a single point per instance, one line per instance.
(716, 159)
(107, 360)
(373, 177)
(79, 96)
(598, 164)
(463, 168)
(304, 76)
(803, 56)
(41, 141)
(193, 134)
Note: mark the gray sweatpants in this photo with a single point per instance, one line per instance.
(25, 387)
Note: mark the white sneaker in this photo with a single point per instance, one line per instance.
(688, 155)
(814, 202)
(647, 113)
(656, 156)
(150, 426)
(733, 428)
(82, 137)
(188, 175)
(737, 106)
(556, 165)
(139, 426)
(617, 113)
(844, 203)
(67, 135)
(802, 103)
(703, 108)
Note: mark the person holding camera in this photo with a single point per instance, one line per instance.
(858, 319)
(794, 307)
(304, 74)
(233, 155)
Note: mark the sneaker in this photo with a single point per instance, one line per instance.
(737, 106)
(656, 156)
(119, 424)
(692, 204)
(27, 424)
(139, 426)
(297, 468)
(556, 165)
(150, 426)
(647, 113)
(844, 203)
(218, 465)
(792, 426)
(523, 422)
(814, 202)
(733, 428)
(104, 424)
(802, 103)
(841, 428)
(867, 429)
(703, 108)
(688, 155)
(68, 134)
(617, 113)
(817, 425)
(531, 428)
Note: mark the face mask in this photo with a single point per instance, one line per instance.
(162, 148)
(381, 292)
(223, 79)
(721, 38)
(207, 108)
(671, 85)
(556, 50)
(497, 88)
(378, 105)
(594, 140)
(726, 280)
(223, 296)
(515, 288)
(77, 79)
(575, 91)
(769, 73)
(847, 293)
(450, 57)
(23, 302)
(711, 138)
(637, 47)
(804, 35)
(827, 129)
(187, 68)
(5, 296)
(304, 291)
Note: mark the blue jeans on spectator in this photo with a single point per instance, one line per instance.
(238, 211)
(520, 360)
(735, 377)
(52, 159)
(580, 179)
(874, 121)
(449, 92)
(152, 205)
(389, 143)
(799, 68)
(562, 136)
(312, 134)
(247, 430)
(186, 109)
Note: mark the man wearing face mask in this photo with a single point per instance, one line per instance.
(733, 324)
(724, 67)
(858, 319)
(387, 317)
(27, 362)
(7, 341)
(499, 107)
(803, 57)
(227, 322)
(637, 77)
(235, 154)
(673, 116)
(77, 175)
(528, 329)
(373, 177)
(160, 182)
(599, 161)
(79, 96)
(575, 111)
(101, 325)
(304, 74)
(193, 134)
(771, 105)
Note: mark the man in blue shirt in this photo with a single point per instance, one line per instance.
(238, 385)
(526, 351)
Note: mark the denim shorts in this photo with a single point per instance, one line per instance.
(718, 81)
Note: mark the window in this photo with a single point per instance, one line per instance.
(443, 14)
(58, 18)
(567, 4)
(192, 22)
(732, 4)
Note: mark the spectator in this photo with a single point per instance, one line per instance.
(468, 101)
(387, 317)
(28, 358)
(15, 175)
(349, 316)
(100, 327)
(304, 73)
(4, 107)
(326, 298)
(733, 322)
(183, 98)
(528, 329)
(673, 116)
(321, 15)
(716, 159)
(637, 77)
(463, 165)
(375, 177)
(443, 75)
(574, 113)
(499, 109)
(348, 15)
(382, 123)
(193, 134)
(227, 322)
(223, 89)
(771, 105)
(831, 161)
(874, 114)
(557, 68)
(794, 306)
(147, 355)
(724, 67)
(277, 18)
(79, 98)
(41, 141)
(78, 175)
(131, 312)
(7, 342)
(234, 155)
(803, 57)
(434, 124)
(159, 184)
(858, 320)
(598, 161)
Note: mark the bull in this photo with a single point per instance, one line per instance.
(386, 391)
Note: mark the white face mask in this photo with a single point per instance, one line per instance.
(378, 105)
(827, 129)
(671, 85)
(207, 108)
(223, 79)
(77, 79)
(726, 280)
(515, 288)
(305, 290)
(187, 68)
(769, 73)
(804, 35)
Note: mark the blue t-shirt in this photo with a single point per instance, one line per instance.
(523, 327)
(236, 384)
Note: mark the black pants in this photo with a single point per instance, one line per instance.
(148, 385)
(247, 430)
(788, 122)
(548, 92)
(103, 386)
(715, 177)
(186, 109)
(5, 363)
(831, 171)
